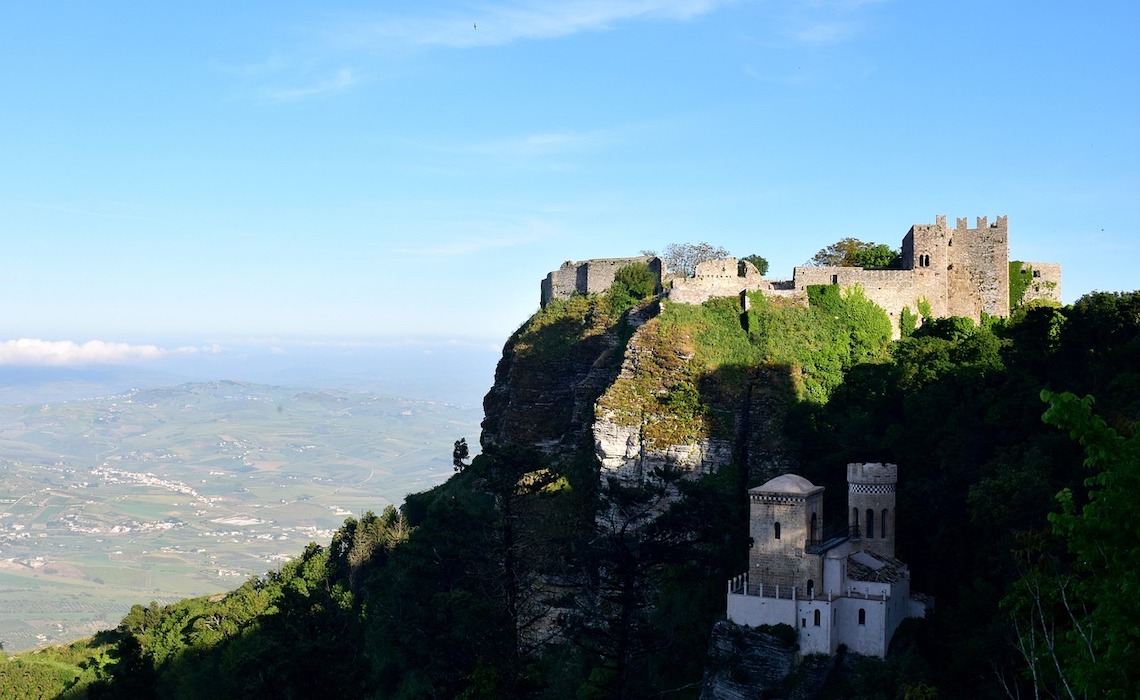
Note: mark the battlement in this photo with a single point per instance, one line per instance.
(872, 473)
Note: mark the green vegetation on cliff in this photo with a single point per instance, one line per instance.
(528, 575)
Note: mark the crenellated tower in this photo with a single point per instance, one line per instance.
(871, 504)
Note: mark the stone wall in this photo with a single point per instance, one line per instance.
(724, 277)
(782, 561)
(593, 276)
(1045, 283)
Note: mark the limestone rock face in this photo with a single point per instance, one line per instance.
(745, 663)
(623, 453)
(544, 396)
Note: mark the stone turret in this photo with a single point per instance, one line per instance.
(871, 503)
(786, 513)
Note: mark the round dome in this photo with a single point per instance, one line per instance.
(788, 483)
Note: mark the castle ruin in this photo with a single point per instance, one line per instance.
(958, 271)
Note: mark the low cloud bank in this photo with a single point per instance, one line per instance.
(63, 353)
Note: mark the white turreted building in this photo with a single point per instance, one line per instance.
(836, 588)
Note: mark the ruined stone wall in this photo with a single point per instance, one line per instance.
(590, 276)
(1045, 283)
(889, 289)
(724, 277)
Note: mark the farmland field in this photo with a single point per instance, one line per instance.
(165, 493)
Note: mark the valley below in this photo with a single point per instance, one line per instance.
(165, 493)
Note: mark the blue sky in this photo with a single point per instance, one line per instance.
(194, 176)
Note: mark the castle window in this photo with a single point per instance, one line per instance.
(855, 521)
(870, 524)
(817, 618)
(812, 531)
(777, 529)
(862, 616)
(1037, 273)
(835, 279)
(811, 588)
(883, 524)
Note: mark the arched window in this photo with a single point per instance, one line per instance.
(817, 618)
(777, 530)
(870, 533)
(811, 588)
(862, 616)
(883, 524)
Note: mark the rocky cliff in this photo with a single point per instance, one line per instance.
(643, 391)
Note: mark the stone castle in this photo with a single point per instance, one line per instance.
(958, 271)
(836, 587)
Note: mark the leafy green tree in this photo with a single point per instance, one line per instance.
(852, 252)
(1079, 625)
(632, 284)
(761, 264)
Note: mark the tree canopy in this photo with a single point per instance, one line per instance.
(852, 252)
(761, 264)
(682, 258)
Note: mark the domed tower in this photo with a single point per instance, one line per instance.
(871, 505)
(786, 514)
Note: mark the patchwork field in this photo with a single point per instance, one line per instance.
(166, 493)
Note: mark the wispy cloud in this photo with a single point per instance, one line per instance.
(61, 353)
(503, 23)
(342, 80)
(820, 22)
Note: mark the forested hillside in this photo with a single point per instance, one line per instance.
(536, 571)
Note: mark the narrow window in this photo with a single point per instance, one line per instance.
(811, 588)
(870, 534)
(883, 524)
(862, 616)
(812, 535)
(777, 528)
(817, 618)
(803, 622)
(835, 279)
(855, 520)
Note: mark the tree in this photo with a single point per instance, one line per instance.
(460, 454)
(852, 252)
(632, 283)
(682, 258)
(761, 264)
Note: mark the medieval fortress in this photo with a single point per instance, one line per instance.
(958, 271)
